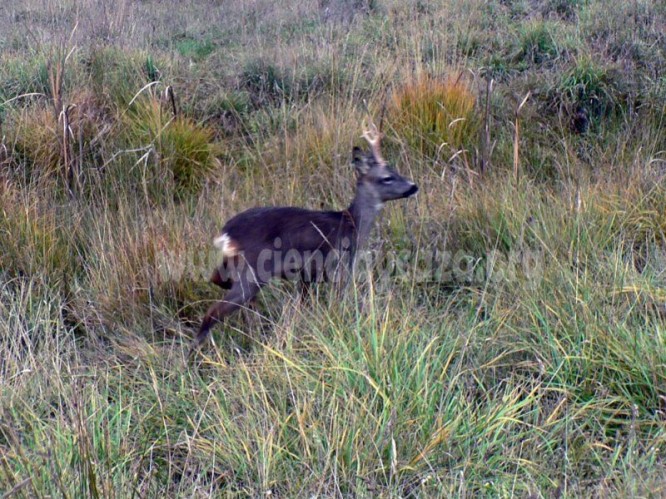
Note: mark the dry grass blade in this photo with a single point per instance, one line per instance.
(516, 138)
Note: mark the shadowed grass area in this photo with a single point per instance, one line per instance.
(505, 337)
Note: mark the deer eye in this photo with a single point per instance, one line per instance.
(387, 180)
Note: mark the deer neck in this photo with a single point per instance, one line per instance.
(364, 210)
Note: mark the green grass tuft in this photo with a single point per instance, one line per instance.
(182, 149)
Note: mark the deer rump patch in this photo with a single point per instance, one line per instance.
(227, 246)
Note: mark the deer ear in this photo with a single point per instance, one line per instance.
(360, 161)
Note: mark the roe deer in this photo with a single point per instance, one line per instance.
(286, 242)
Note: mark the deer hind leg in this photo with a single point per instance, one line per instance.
(226, 274)
(239, 294)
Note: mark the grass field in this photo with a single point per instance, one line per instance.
(508, 338)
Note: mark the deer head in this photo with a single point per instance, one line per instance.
(378, 182)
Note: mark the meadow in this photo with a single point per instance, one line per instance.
(506, 339)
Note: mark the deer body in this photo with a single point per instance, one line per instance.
(260, 244)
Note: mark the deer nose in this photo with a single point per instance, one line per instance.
(412, 190)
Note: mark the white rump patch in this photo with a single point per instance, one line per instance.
(226, 245)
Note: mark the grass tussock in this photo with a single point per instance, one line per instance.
(507, 337)
(437, 117)
(185, 154)
(37, 139)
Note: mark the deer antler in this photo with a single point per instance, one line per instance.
(374, 137)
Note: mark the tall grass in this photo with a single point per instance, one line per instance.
(437, 117)
(508, 339)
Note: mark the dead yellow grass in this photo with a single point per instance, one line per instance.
(436, 116)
